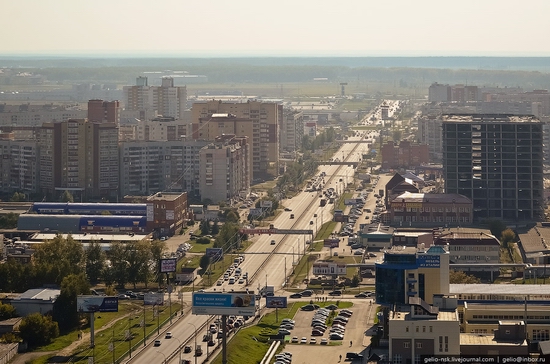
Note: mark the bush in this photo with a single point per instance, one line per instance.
(36, 329)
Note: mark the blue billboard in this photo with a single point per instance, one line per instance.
(90, 303)
(234, 303)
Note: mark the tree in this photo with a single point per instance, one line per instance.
(355, 280)
(7, 311)
(64, 309)
(228, 237)
(507, 236)
(230, 217)
(204, 262)
(203, 240)
(496, 227)
(205, 227)
(119, 262)
(9, 221)
(216, 228)
(457, 277)
(67, 197)
(95, 262)
(138, 257)
(59, 257)
(36, 329)
(18, 197)
(158, 248)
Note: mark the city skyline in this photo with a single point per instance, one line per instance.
(305, 28)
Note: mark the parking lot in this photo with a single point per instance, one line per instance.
(360, 321)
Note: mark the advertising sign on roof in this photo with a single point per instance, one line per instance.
(428, 261)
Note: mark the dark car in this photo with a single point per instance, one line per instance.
(362, 295)
(296, 295)
(187, 349)
(353, 356)
(309, 307)
(331, 307)
(288, 209)
(336, 336)
(335, 293)
(307, 293)
(317, 333)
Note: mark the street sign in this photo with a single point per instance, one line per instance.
(276, 231)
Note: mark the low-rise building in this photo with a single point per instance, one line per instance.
(36, 300)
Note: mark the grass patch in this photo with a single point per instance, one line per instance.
(200, 248)
(323, 233)
(342, 200)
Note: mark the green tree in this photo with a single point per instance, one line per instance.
(507, 236)
(496, 227)
(158, 248)
(7, 311)
(18, 197)
(64, 310)
(118, 255)
(216, 228)
(458, 277)
(36, 329)
(203, 240)
(231, 216)
(59, 257)
(8, 221)
(95, 262)
(204, 262)
(355, 280)
(138, 255)
(205, 227)
(228, 237)
(67, 197)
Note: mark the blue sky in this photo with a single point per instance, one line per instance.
(279, 28)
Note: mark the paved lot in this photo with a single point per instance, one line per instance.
(359, 322)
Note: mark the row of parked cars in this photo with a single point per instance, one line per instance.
(283, 358)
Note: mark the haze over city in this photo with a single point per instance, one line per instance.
(282, 28)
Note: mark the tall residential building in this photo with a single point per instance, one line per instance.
(404, 155)
(18, 166)
(79, 156)
(292, 131)
(257, 120)
(27, 115)
(104, 111)
(166, 99)
(148, 167)
(496, 161)
(224, 172)
(429, 133)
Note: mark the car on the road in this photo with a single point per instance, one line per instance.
(187, 349)
(272, 242)
(353, 356)
(288, 209)
(157, 343)
(219, 282)
(358, 252)
(296, 295)
(335, 293)
(294, 339)
(362, 295)
(307, 293)
(168, 335)
(123, 297)
(303, 340)
(292, 216)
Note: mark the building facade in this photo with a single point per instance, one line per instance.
(404, 155)
(104, 111)
(496, 161)
(224, 174)
(292, 131)
(166, 99)
(428, 209)
(429, 133)
(19, 166)
(27, 115)
(259, 121)
(80, 157)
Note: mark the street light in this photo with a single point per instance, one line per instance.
(179, 347)
(164, 356)
(195, 327)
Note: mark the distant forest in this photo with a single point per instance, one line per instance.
(526, 72)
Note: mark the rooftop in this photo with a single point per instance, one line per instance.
(409, 197)
(441, 316)
(495, 118)
(500, 289)
(536, 239)
(486, 339)
(43, 294)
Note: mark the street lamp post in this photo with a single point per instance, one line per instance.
(179, 348)
(195, 327)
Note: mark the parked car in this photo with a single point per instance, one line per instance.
(353, 356)
(296, 295)
(294, 339)
(187, 349)
(303, 340)
(309, 307)
(336, 336)
(335, 293)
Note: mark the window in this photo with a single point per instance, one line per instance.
(406, 344)
(423, 328)
(419, 345)
(440, 343)
(407, 329)
(397, 359)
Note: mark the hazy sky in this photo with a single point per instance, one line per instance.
(284, 27)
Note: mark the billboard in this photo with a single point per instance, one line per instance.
(256, 212)
(153, 298)
(331, 243)
(214, 254)
(350, 201)
(168, 265)
(275, 302)
(89, 303)
(233, 303)
(329, 268)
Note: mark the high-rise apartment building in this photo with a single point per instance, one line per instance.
(224, 173)
(148, 167)
(292, 131)
(496, 161)
(18, 166)
(166, 99)
(429, 133)
(257, 120)
(79, 156)
(104, 111)
(27, 115)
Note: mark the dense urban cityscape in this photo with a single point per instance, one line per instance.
(292, 183)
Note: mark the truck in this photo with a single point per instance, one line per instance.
(323, 202)
(267, 291)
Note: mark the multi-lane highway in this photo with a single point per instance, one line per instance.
(262, 266)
